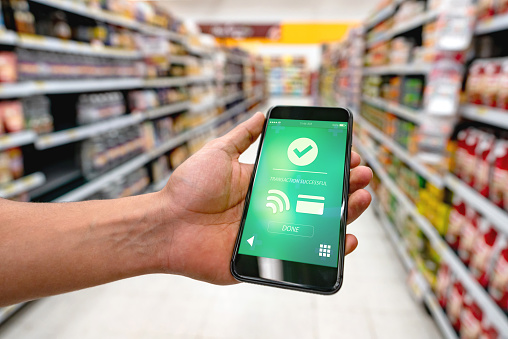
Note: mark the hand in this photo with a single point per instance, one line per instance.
(206, 197)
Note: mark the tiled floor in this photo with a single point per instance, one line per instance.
(374, 302)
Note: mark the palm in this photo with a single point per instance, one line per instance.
(208, 194)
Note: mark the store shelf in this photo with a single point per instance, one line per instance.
(22, 185)
(181, 60)
(405, 69)
(97, 184)
(490, 309)
(163, 111)
(237, 59)
(109, 17)
(72, 47)
(8, 37)
(401, 153)
(428, 295)
(495, 24)
(381, 16)
(29, 88)
(6, 312)
(233, 78)
(177, 81)
(417, 21)
(205, 104)
(497, 216)
(16, 139)
(493, 116)
(231, 98)
(394, 108)
(84, 132)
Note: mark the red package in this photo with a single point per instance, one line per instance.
(488, 331)
(461, 153)
(490, 91)
(455, 304)
(499, 185)
(469, 161)
(468, 234)
(482, 253)
(502, 94)
(457, 219)
(484, 160)
(471, 319)
(443, 282)
(474, 81)
(498, 287)
(12, 116)
(501, 6)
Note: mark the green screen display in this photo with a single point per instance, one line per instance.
(295, 207)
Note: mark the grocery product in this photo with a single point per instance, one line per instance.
(498, 285)
(468, 233)
(94, 107)
(471, 319)
(482, 253)
(455, 304)
(457, 220)
(443, 283)
(12, 116)
(499, 186)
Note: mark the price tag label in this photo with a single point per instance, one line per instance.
(5, 140)
(46, 139)
(9, 188)
(29, 181)
(414, 286)
(72, 134)
(482, 111)
(40, 84)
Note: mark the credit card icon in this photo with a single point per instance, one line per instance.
(310, 204)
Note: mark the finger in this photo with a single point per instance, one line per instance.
(355, 159)
(351, 243)
(359, 178)
(242, 136)
(358, 203)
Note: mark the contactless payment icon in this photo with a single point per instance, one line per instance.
(302, 152)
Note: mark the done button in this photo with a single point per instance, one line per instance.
(291, 229)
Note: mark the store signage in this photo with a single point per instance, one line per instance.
(241, 31)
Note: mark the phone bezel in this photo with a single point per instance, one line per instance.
(303, 113)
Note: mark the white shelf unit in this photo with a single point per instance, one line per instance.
(404, 69)
(24, 89)
(12, 140)
(72, 47)
(8, 37)
(22, 185)
(489, 115)
(110, 17)
(402, 111)
(401, 153)
(84, 132)
(490, 309)
(95, 185)
(428, 295)
(495, 24)
(159, 112)
(417, 21)
(382, 15)
(496, 215)
(231, 97)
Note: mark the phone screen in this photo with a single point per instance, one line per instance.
(295, 208)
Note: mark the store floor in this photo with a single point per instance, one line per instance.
(374, 302)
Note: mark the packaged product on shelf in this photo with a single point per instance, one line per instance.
(457, 220)
(502, 99)
(443, 283)
(471, 319)
(498, 285)
(484, 159)
(412, 91)
(465, 155)
(5, 170)
(468, 233)
(490, 92)
(16, 162)
(37, 110)
(501, 6)
(488, 330)
(482, 254)
(12, 116)
(94, 107)
(499, 185)
(8, 67)
(455, 304)
(475, 81)
(486, 8)
(160, 169)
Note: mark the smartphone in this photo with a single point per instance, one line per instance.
(293, 229)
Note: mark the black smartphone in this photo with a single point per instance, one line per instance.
(293, 228)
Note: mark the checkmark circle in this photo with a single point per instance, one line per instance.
(302, 151)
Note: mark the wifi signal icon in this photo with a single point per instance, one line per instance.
(277, 204)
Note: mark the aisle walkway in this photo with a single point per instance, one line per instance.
(374, 303)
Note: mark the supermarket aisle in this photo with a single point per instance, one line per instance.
(373, 303)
